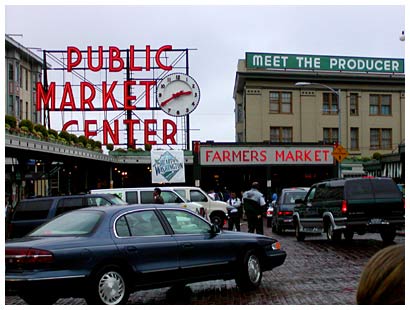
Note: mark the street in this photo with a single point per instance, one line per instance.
(315, 272)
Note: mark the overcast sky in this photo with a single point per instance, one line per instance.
(220, 34)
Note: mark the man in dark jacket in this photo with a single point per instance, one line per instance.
(254, 205)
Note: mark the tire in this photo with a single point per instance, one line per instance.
(217, 219)
(249, 276)
(37, 298)
(300, 236)
(108, 287)
(388, 235)
(331, 234)
(348, 234)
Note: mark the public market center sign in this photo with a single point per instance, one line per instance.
(324, 63)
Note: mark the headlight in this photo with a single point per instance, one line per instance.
(275, 245)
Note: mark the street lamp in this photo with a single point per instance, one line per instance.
(339, 130)
(402, 37)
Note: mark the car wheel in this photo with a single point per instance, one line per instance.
(300, 236)
(331, 234)
(217, 220)
(109, 287)
(250, 272)
(348, 234)
(37, 298)
(388, 235)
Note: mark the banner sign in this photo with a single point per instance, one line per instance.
(167, 166)
(325, 63)
(266, 155)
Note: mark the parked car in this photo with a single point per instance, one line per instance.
(283, 209)
(178, 196)
(348, 206)
(215, 209)
(31, 213)
(104, 254)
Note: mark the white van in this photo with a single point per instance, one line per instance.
(144, 195)
(216, 210)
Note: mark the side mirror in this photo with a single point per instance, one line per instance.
(215, 229)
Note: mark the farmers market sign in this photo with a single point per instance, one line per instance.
(325, 63)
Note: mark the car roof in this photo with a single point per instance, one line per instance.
(68, 196)
(116, 208)
(295, 189)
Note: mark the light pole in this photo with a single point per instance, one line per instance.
(339, 130)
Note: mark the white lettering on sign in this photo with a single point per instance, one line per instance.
(218, 155)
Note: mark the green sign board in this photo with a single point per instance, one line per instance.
(323, 63)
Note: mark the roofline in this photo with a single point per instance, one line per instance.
(23, 49)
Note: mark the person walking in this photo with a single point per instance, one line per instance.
(254, 205)
(234, 212)
(157, 196)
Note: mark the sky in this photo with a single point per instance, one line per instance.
(219, 35)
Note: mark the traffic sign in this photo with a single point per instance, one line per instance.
(340, 153)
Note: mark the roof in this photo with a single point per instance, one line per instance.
(23, 50)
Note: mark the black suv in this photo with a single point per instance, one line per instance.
(30, 213)
(348, 206)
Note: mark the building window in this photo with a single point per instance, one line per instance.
(330, 103)
(11, 72)
(27, 115)
(380, 105)
(26, 81)
(330, 135)
(354, 104)
(281, 134)
(380, 138)
(240, 113)
(354, 138)
(280, 102)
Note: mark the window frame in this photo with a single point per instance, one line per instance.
(354, 104)
(380, 143)
(281, 134)
(352, 146)
(280, 102)
(331, 131)
(331, 102)
(379, 106)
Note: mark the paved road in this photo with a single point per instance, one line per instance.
(315, 272)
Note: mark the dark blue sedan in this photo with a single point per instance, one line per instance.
(104, 254)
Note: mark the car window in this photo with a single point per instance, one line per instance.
(69, 204)
(32, 209)
(385, 189)
(181, 192)
(290, 197)
(197, 196)
(140, 223)
(97, 201)
(132, 197)
(186, 223)
(147, 196)
(170, 197)
(73, 223)
(311, 195)
(359, 189)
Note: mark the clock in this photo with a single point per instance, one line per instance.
(178, 94)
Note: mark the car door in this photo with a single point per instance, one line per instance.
(308, 212)
(202, 254)
(146, 245)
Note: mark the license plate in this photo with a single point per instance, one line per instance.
(375, 221)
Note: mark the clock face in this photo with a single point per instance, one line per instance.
(178, 94)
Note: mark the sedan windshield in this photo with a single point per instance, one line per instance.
(292, 196)
(72, 223)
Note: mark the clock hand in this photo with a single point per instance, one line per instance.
(176, 95)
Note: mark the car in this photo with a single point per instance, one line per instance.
(104, 254)
(31, 213)
(180, 196)
(349, 206)
(269, 214)
(215, 209)
(283, 209)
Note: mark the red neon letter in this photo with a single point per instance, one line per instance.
(148, 132)
(68, 124)
(132, 59)
(90, 58)
(169, 136)
(40, 95)
(67, 92)
(108, 95)
(158, 57)
(89, 100)
(130, 124)
(115, 56)
(127, 96)
(113, 135)
(87, 131)
(70, 64)
(148, 58)
(147, 92)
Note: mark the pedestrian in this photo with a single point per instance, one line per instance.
(157, 196)
(254, 205)
(382, 280)
(234, 212)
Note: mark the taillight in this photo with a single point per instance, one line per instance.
(28, 256)
(269, 212)
(285, 213)
(344, 206)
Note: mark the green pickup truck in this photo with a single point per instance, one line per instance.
(348, 206)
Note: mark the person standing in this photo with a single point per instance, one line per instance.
(254, 205)
(157, 196)
(234, 212)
